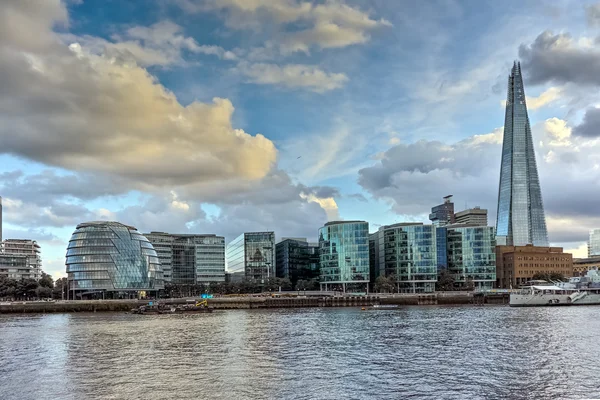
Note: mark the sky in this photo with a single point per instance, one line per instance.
(231, 116)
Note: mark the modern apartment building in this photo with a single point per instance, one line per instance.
(344, 256)
(297, 259)
(29, 250)
(190, 259)
(516, 265)
(251, 256)
(471, 256)
(408, 252)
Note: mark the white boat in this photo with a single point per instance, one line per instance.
(551, 295)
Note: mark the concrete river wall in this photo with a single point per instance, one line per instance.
(252, 302)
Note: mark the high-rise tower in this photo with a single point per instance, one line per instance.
(520, 218)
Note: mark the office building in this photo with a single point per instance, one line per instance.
(471, 256)
(408, 252)
(251, 256)
(443, 214)
(594, 243)
(27, 249)
(520, 217)
(515, 265)
(189, 259)
(475, 216)
(111, 260)
(344, 256)
(297, 259)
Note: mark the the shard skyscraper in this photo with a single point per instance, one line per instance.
(520, 218)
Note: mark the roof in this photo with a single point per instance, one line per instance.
(344, 222)
(104, 223)
(547, 288)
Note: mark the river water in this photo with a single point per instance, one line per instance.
(430, 352)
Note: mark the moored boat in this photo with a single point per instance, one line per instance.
(536, 295)
(158, 308)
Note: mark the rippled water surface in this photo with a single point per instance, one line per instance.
(416, 352)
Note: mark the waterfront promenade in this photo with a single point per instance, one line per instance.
(279, 300)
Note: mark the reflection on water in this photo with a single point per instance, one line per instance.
(417, 352)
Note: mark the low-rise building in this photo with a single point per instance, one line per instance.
(251, 256)
(344, 256)
(407, 252)
(516, 265)
(189, 259)
(297, 259)
(471, 256)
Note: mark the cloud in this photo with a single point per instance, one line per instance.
(590, 126)
(547, 97)
(581, 251)
(47, 186)
(412, 177)
(293, 76)
(559, 58)
(161, 44)
(592, 13)
(328, 25)
(67, 107)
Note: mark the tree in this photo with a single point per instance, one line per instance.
(8, 287)
(46, 281)
(385, 284)
(26, 288)
(445, 282)
(43, 292)
(60, 288)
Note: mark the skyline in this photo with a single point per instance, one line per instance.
(339, 110)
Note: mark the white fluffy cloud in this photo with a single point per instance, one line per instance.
(68, 107)
(329, 25)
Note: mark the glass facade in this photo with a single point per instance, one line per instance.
(109, 256)
(252, 255)
(520, 217)
(297, 260)
(471, 255)
(594, 243)
(408, 252)
(190, 258)
(344, 256)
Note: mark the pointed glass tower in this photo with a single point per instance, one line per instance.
(520, 218)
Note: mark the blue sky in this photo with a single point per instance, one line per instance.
(224, 116)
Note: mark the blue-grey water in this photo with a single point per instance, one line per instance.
(416, 352)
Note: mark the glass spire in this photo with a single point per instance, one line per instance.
(520, 218)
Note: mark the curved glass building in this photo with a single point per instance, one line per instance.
(111, 260)
(344, 256)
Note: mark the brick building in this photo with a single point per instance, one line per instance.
(516, 265)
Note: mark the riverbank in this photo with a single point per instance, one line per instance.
(253, 302)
